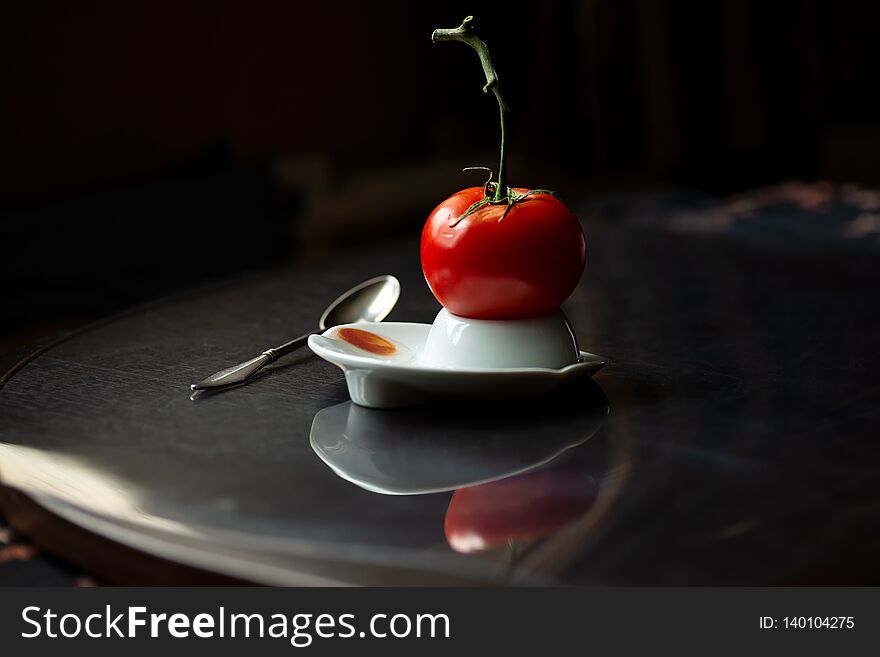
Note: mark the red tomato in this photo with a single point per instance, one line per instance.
(523, 266)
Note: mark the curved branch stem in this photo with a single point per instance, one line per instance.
(501, 189)
(465, 34)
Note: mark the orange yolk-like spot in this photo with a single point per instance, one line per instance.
(367, 341)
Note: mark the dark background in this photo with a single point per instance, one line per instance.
(147, 147)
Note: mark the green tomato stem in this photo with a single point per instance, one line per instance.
(465, 34)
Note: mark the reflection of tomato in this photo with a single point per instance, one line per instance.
(522, 266)
(524, 506)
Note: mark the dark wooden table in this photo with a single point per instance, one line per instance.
(741, 445)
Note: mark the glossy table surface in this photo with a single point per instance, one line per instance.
(731, 439)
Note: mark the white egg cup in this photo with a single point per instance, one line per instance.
(457, 357)
(461, 343)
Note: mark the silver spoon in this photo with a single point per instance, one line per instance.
(371, 301)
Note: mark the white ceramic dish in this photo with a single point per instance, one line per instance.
(405, 378)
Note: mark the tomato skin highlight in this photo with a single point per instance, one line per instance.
(523, 266)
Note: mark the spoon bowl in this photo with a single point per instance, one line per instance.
(371, 301)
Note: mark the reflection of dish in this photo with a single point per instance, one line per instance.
(403, 379)
(441, 448)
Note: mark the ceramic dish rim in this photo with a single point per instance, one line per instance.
(585, 358)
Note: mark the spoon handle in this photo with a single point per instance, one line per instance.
(245, 370)
(293, 345)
